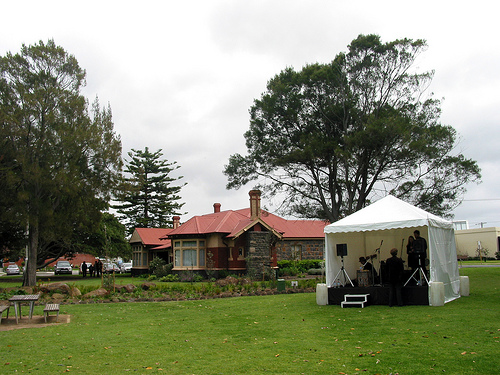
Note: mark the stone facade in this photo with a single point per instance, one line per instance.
(259, 262)
(300, 249)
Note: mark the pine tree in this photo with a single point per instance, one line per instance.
(148, 195)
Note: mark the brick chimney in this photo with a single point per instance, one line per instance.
(254, 204)
(216, 207)
(176, 221)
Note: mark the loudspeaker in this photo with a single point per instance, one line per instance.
(341, 249)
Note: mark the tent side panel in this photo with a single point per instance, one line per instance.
(443, 261)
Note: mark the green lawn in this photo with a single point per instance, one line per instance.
(280, 334)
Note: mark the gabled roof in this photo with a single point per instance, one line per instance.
(152, 237)
(387, 213)
(233, 223)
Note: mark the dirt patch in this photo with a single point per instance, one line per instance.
(37, 321)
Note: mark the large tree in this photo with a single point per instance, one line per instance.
(149, 195)
(63, 157)
(332, 136)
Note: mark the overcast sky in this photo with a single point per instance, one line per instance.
(181, 75)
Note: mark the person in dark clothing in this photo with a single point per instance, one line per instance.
(420, 249)
(395, 270)
(365, 265)
(412, 257)
(96, 268)
(84, 269)
(91, 270)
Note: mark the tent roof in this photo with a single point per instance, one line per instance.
(387, 213)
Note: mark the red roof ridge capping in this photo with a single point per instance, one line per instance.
(225, 219)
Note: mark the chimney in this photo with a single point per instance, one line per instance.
(216, 207)
(177, 221)
(254, 204)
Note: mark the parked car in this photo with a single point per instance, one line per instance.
(110, 267)
(125, 267)
(12, 269)
(63, 266)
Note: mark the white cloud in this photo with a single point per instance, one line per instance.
(181, 76)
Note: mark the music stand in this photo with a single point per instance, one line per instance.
(342, 251)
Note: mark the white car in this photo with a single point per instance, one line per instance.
(12, 269)
(110, 267)
(125, 267)
(63, 266)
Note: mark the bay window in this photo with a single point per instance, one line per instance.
(189, 254)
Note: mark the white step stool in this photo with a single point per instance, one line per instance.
(354, 300)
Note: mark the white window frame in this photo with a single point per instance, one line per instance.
(296, 251)
(195, 249)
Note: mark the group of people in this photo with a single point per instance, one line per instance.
(92, 269)
(417, 251)
(394, 266)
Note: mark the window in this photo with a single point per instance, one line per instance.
(296, 252)
(201, 259)
(189, 254)
(189, 257)
(241, 253)
(140, 256)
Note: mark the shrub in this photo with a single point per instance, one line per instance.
(315, 271)
(169, 278)
(159, 267)
(294, 267)
(197, 278)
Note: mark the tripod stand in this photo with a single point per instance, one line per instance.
(345, 276)
(421, 273)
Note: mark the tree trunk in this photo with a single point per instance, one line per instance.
(29, 278)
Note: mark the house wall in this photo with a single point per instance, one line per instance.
(467, 241)
(259, 260)
(310, 249)
(238, 262)
(215, 240)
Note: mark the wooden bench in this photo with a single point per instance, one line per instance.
(2, 309)
(51, 307)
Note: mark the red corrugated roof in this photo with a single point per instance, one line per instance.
(153, 236)
(232, 222)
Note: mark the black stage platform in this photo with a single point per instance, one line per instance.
(379, 295)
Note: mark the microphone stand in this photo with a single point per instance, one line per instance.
(379, 264)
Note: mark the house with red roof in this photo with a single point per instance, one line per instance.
(249, 240)
(148, 243)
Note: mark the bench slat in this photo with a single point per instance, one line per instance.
(50, 307)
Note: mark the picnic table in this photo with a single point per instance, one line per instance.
(24, 298)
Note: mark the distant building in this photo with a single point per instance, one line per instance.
(460, 224)
(146, 244)
(246, 240)
(468, 241)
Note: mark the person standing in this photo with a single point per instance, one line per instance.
(96, 267)
(412, 257)
(395, 270)
(84, 269)
(420, 249)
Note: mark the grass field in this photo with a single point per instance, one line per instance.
(280, 334)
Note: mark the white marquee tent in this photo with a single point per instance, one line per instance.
(387, 224)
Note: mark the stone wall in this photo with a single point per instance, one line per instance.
(258, 259)
(311, 249)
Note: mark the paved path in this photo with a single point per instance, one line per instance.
(477, 265)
